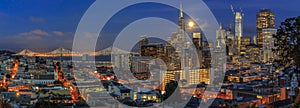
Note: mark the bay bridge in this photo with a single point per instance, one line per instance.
(66, 52)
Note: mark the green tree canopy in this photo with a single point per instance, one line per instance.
(287, 43)
(4, 104)
(172, 91)
(46, 104)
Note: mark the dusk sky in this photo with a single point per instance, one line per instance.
(43, 25)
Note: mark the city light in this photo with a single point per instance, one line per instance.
(189, 68)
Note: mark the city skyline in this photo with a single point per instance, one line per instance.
(48, 28)
(152, 53)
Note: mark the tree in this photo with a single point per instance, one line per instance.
(46, 104)
(2, 89)
(4, 104)
(57, 82)
(172, 91)
(287, 46)
(8, 76)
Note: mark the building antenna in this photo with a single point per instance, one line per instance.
(181, 10)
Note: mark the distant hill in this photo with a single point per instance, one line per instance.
(6, 52)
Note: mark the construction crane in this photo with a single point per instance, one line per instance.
(241, 11)
(232, 9)
(234, 12)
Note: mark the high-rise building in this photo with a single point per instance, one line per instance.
(197, 39)
(121, 61)
(178, 42)
(155, 50)
(244, 42)
(238, 29)
(253, 53)
(197, 76)
(268, 45)
(140, 64)
(167, 77)
(230, 43)
(255, 40)
(181, 23)
(171, 57)
(143, 41)
(181, 39)
(194, 76)
(221, 37)
(264, 19)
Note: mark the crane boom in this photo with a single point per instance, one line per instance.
(232, 9)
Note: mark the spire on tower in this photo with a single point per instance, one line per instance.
(181, 12)
(181, 25)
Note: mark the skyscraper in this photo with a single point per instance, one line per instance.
(245, 41)
(255, 40)
(238, 29)
(221, 33)
(181, 25)
(155, 50)
(268, 44)
(181, 39)
(264, 19)
(197, 39)
(143, 41)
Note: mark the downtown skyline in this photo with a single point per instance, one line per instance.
(149, 53)
(49, 27)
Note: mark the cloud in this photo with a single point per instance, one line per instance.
(35, 32)
(36, 19)
(90, 35)
(58, 33)
(34, 35)
(27, 38)
(40, 32)
(38, 40)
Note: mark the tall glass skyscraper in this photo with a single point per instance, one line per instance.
(264, 19)
(238, 29)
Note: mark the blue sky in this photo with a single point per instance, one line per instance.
(44, 25)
